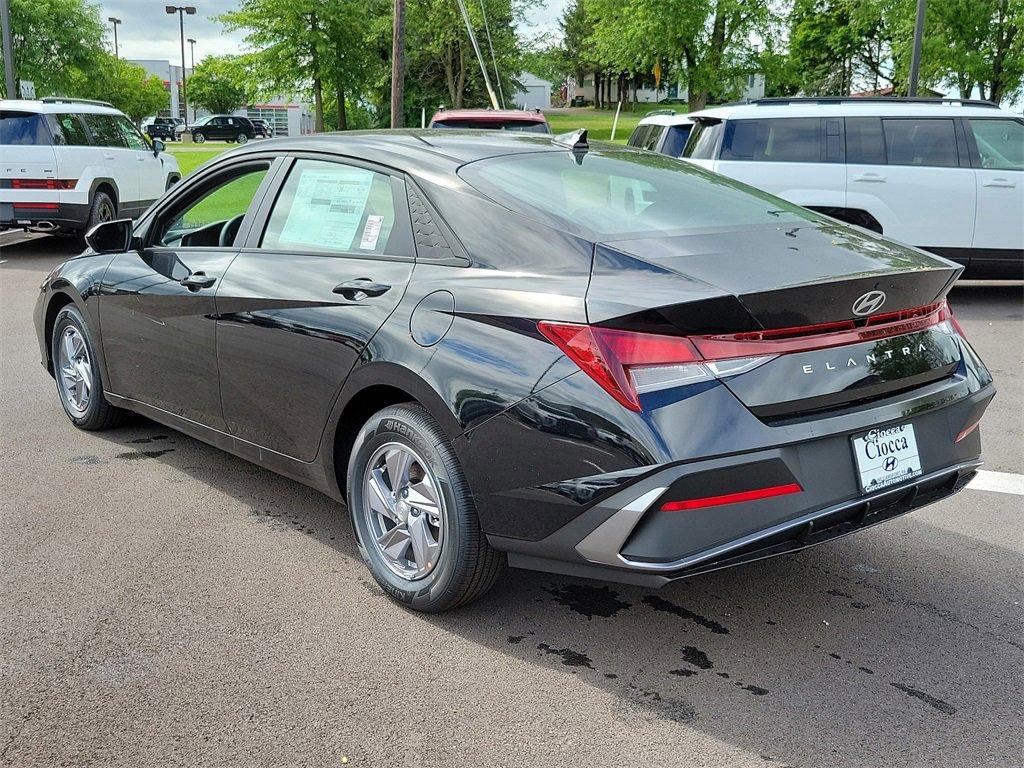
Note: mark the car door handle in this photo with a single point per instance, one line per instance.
(361, 288)
(1000, 182)
(873, 177)
(197, 281)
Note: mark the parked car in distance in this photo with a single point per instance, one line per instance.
(580, 357)
(945, 175)
(160, 128)
(663, 131)
(68, 164)
(230, 128)
(492, 120)
(263, 128)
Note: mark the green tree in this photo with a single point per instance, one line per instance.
(55, 41)
(125, 85)
(217, 84)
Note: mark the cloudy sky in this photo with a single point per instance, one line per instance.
(148, 32)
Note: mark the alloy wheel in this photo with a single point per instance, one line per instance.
(404, 511)
(75, 370)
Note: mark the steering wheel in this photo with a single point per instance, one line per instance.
(229, 230)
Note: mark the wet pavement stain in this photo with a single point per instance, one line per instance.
(87, 461)
(136, 455)
(838, 593)
(675, 709)
(589, 601)
(516, 639)
(859, 605)
(151, 439)
(754, 689)
(611, 675)
(927, 698)
(696, 657)
(660, 604)
(570, 658)
(683, 672)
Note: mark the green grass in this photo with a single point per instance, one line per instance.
(191, 156)
(598, 122)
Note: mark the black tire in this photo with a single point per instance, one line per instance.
(198, 137)
(241, 138)
(101, 209)
(98, 414)
(467, 566)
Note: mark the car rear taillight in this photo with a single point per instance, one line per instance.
(629, 363)
(769, 492)
(43, 183)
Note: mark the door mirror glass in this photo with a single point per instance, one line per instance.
(158, 146)
(111, 236)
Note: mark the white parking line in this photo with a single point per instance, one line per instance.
(999, 482)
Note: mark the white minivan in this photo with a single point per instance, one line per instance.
(943, 175)
(68, 164)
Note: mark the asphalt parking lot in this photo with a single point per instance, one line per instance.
(163, 603)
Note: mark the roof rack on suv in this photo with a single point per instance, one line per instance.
(69, 100)
(874, 100)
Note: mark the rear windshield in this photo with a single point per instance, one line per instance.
(523, 126)
(703, 140)
(23, 128)
(618, 194)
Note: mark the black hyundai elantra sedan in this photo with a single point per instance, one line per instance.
(505, 348)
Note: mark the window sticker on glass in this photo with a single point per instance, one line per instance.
(371, 232)
(328, 207)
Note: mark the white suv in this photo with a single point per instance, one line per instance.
(67, 164)
(943, 175)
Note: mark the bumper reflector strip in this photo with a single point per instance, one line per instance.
(37, 206)
(732, 498)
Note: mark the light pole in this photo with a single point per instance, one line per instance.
(397, 63)
(181, 10)
(5, 22)
(192, 52)
(915, 54)
(115, 22)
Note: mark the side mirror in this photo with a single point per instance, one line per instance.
(111, 236)
(158, 146)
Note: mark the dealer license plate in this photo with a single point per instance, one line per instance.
(886, 456)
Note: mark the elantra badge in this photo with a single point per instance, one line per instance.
(869, 303)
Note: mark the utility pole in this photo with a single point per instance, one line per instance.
(115, 22)
(192, 52)
(5, 22)
(181, 10)
(397, 64)
(915, 56)
(479, 56)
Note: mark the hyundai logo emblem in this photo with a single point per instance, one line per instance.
(890, 463)
(870, 302)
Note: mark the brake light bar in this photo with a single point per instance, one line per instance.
(43, 183)
(37, 206)
(732, 498)
(629, 363)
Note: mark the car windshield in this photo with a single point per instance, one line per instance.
(23, 128)
(203, 120)
(620, 194)
(523, 126)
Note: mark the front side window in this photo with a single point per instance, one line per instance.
(619, 194)
(214, 218)
(780, 140)
(105, 132)
(923, 142)
(24, 128)
(1000, 143)
(331, 208)
(703, 140)
(69, 131)
(131, 136)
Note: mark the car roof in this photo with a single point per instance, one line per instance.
(417, 148)
(61, 106)
(665, 120)
(854, 106)
(489, 114)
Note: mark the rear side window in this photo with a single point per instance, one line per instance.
(24, 128)
(332, 207)
(104, 130)
(703, 139)
(636, 138)
(675, 140)
(1000, 143)
(780, 140)
(864, 142)
(69, 131)
(925, 142)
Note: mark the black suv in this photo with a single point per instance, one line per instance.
(263, 129)
(224, 128)
(160, 128)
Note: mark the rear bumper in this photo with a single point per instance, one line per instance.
(72, 216)
(627, 537)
